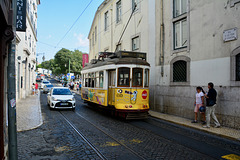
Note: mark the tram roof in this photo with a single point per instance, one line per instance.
(117, 61)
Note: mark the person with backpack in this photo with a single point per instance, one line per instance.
(199, 103)
(211, 97)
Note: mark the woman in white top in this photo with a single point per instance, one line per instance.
(199, 102)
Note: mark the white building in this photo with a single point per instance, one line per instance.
(26, 52)
(189, 43)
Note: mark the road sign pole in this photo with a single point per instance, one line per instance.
(11, 76)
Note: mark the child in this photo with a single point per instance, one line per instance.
(199, 102)
(33, 89)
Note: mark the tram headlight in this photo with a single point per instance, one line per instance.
(126, 106)
(130, 106)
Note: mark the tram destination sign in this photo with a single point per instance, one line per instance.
(21, 16)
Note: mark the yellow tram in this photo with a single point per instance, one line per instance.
(120, 82)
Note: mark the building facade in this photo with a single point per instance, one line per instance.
(108, 25)
(189, 43)
(6, 35)
(26, 52)
(197, 42)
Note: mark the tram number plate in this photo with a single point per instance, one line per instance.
(63, 104)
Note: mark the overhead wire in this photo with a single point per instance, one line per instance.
(113, 22)
(74, 23)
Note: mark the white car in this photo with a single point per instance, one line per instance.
(61, 98)
(44, 82)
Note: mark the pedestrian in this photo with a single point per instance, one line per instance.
(199, 102)
(80, 86)
(77, 87)
(71, 85)
(211, 105)
(36, 88)
(33, 89)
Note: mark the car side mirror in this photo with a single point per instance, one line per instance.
(48, 93)
(73, 94)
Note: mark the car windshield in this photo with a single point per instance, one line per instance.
(61, 92)
(49, 86)
(45, 82)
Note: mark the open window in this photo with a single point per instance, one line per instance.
(124, 77)
(137, 77)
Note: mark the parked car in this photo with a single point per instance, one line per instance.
(38, 79)
(61, 98)
(47, 88)
(44, 82)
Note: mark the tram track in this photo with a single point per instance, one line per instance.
(178, 137)
(101, 155)
(83, 137)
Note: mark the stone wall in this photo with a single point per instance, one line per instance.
(179, 100)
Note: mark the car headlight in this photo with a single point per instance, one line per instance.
(54, 99)
(72, 99)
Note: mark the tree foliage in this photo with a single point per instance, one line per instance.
(60, 63)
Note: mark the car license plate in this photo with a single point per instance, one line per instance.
(63, 104)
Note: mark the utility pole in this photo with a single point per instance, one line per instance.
(69, 66)
(11, 76)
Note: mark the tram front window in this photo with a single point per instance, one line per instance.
(137, 77)
(123, 77)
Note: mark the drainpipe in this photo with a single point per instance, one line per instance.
(111, 28)
(162, 41)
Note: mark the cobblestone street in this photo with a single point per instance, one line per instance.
(106, 137)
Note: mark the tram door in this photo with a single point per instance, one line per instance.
(111, 87)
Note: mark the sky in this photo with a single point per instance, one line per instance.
(55, 17)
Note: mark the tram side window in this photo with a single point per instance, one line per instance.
(83, 80)
(101, 79)
(92, 85)
(86, 80)
(89, 80)
(97, 80)
(137, 77)
(123, 77)
(146, 78)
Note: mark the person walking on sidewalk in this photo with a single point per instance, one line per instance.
(199, 102)
(36, 88)
(211, 105)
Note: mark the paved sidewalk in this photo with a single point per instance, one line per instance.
(29, 114)
(222, 131)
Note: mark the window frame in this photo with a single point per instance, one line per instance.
(106, 18)
(233, 61)
(181, 34)
(118, 11)
(136, 37)
(178, 58)
(185, 74)
(174, 8)
(137, 77)
(118, 77)
(138, 5)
